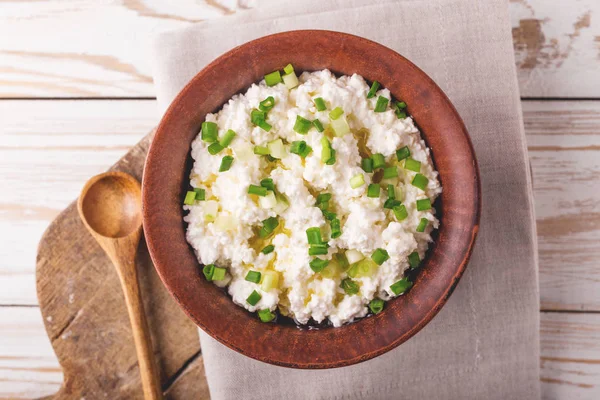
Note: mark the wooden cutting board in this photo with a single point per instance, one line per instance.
(86, 319)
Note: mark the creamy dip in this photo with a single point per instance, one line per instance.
(367, 223)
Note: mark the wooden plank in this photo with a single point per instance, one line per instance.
(557, 46)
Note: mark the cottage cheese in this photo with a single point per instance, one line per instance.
(366, 225)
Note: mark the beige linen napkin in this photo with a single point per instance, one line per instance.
(484, 343)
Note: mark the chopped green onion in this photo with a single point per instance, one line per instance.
(268, 249)
(376, 306)
(380, 256)
(349, 286)
(363, 268)
(400, 104)
(323, 198)
(270, 224)
(391, 192)
(227, 138)
(422, 225)
(330, 216)
(412, 165)
(266, 315)
(301, 148)
(373, 190)
(354, 256)
(340, 126)
(273, 78)
(336, 113)
(190, 198)
(254, 298)
(336, 230)
(403, 153)
(378, 160)
(288, 69)
(401, 286)
(276, 148)
(226, 162)
(208, 271)
(290, 80)
(253, 276)
(382, 103)
(268, 183)
(318, 125)
(302, 125)
(357, 181)
(219, 274)
(414, 260)
(367, 164)
(200, 194)
(257, 190)
(390, 172)
(270, 280)
(313, 235)
(265, 126)
(391, 203)
(317, 250)
(327, 152)
(420, 181)
(373, 90)
(400, 114)
(320, 104)
(215, 148)
(268, 201)
(423, 205)
(318, 265)
(342, 260)
(400, 212)
(257, 116)
(209, 132)
(263, 233)
(261, 150)
(267, 104)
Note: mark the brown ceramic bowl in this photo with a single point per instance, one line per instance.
(166, 179)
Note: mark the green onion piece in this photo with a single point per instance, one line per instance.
(257, 190)
(400, 114)
(302, 125)
(313, 235)
(331, 160)
(209, 132)
(422, 225)
(288, 69)
(301, 148)
(390, 172)
(261, 150)
(257, 116)
(330, 216)
(367, 164)
(401, 286)
(373, 90)
(340, 126)
(270, 280)
(254, 298)
(342, 260)
(317, 250)
(268, 249)
(215, 148)
(420, 181)
(290, 80)
(323, 206)
(357, 181)
(208, 271)
(270, 158)
(412, 165)
(323, 198)
(403, 153)
(391, 192)
(190, 198)
(336, 230)
(349, 286)
(414, 260)
(373, 190)
(318, 125)
(226, 162)
(401, 105)
(318, 265)
(380, 256)
(382, 103)
(423, 205)
(378, 160)
(336, 113)
(320, 104)
(391, 203)
(376, 306)
(400, 212)
(219, 274)
(270, 224)
(253, 276)
(327, 152)
(265, 126)
(266, 315)
(227, 138)
(267, 104)
(200, 194)
(273, 78)
(268, 183)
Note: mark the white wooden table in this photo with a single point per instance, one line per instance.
(76, 92)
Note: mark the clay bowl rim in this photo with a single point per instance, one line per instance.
(167, 167)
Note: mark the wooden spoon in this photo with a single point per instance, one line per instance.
(111, 209)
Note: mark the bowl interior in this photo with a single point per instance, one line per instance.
(166, 178)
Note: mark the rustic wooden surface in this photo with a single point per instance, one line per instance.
(49, 148)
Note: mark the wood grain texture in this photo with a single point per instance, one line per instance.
(557, 45)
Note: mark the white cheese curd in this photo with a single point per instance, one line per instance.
(225, 225)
